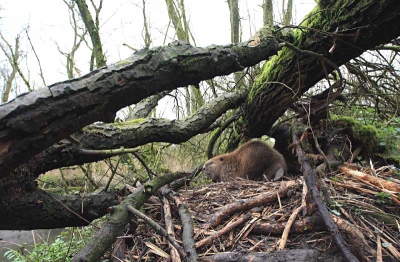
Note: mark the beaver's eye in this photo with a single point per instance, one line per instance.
(221, 159)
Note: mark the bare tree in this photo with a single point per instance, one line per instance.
(93, 27)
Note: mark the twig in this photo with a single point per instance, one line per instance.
(223, 231)
(170, 229)
(70, 210)
(379, 249)
(149, 172)
(187, 230)
(109, 152)
(158, 228)
(114, 171)
(292, 218)
(37, 58)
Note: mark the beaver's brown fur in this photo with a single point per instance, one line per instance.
(254, 160)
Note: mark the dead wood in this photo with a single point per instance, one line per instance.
(382, 183)
(305, 225)
(170, 230)
(359, 244)
(226, 229)
(285, 234)
(261, 233)
(187, 229)
(309, 177)
(298, 255)
(118, 252)
(243, 205)
(39, 209)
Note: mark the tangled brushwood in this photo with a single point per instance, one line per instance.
(246, 220)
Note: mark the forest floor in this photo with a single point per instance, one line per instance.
(243, 220)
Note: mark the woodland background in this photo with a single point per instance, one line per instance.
(324, 87)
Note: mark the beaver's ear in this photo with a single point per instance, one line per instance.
(221, 159)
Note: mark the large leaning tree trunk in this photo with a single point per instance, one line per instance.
(337, 30)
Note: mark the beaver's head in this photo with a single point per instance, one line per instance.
(213, 168)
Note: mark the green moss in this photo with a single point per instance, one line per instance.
(367, 135)
(392, 159)
(123, 63)
(129, 123)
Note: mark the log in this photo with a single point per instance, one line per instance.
(298, 255)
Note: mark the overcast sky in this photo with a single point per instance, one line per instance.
(122, 22)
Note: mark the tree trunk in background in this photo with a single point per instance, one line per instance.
(287, 13)
(10, 78)
(193, 97)
(93, 32)
(235, 20)
(235, 34)
(268, 12)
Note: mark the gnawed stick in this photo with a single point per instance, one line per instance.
(158, 228)
(306, 225)
(187, 229)
(246, 204)
(384, 184)
(170, 229)
(292, 218)
(223, 231)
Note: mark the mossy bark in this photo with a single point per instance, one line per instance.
(361, 25)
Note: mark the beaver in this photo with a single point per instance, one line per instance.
(254, 160)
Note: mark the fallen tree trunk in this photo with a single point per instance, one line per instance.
(34, 121)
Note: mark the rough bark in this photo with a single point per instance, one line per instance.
(361, 25)
(32, 122)
(41, 210)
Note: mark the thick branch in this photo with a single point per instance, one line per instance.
(34, 121)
